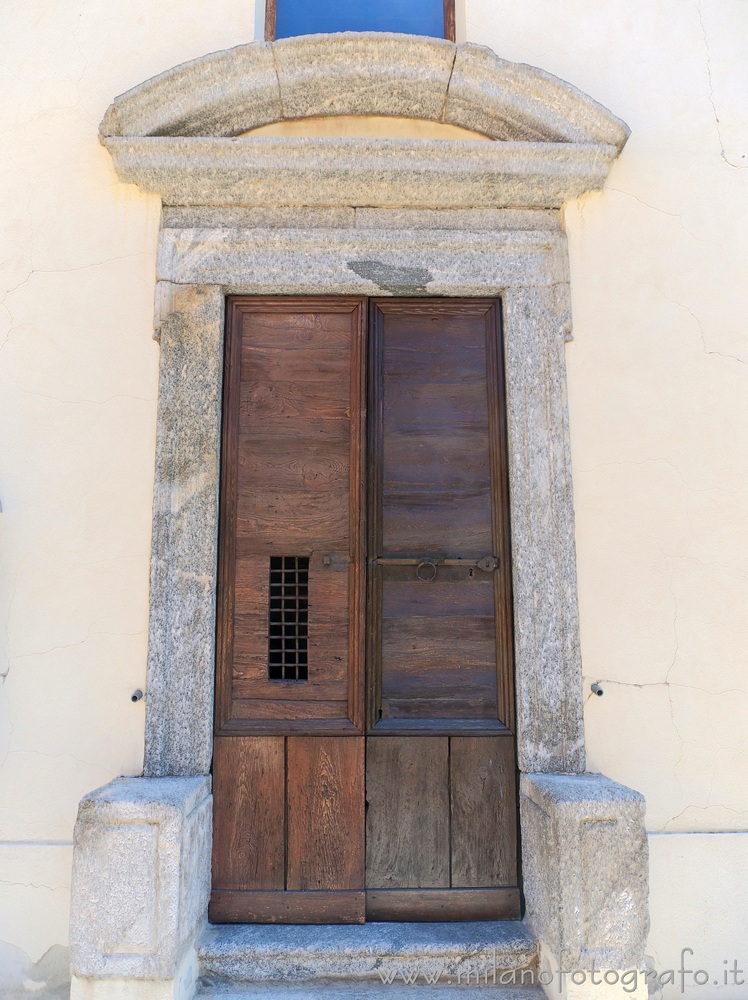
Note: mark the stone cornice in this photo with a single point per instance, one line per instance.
(361, 172)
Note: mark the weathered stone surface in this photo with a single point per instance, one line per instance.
(462, 219)
(370, 73)
(233, 217)
(367, 73)
(516, 102)
(361, 172)
(363, 262)
(585, 871)
(141, 877)
(224, 93)
(546, 619)
(181, 986)
(364, 990)
(529, 270)
(293, 953)
(181, 649)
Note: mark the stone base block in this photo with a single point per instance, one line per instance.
(141, 883)
(181, 987)
(585, 871)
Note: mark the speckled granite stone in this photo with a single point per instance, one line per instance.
(585, 869)
(141, 877)
(363, 262)
(516, 102)
(426, 173)
(361, 951)
(363, 73)
(181, 653)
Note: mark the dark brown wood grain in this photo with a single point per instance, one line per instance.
(437, 489)
(287, 907)
(501, 531)
(248, 813)
(483, 801)
(442, 904)
(226, 575)
(307, 471)
(270, 15)
(407, 812)
(449, 19)
(325, 782)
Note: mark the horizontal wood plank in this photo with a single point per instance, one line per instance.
(442, 904)
(286, 907)
(302, 463)
(452, 523)
(282, 711)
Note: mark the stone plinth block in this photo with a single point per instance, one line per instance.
(585, 869)
(141, 877)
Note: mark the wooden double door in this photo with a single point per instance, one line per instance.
(364, 764)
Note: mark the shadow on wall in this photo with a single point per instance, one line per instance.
(47, 979)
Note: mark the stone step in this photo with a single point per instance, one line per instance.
(346, 990)
(447, 953)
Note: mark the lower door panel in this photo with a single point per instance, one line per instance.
(441, 828)
(288, 829)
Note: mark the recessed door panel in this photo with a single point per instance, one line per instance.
(438, 544)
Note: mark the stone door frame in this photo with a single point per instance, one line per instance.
(525, 267)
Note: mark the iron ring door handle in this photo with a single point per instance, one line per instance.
(426, 571)
(487, 564)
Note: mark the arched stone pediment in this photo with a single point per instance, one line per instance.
(228, 93)
(187, 134)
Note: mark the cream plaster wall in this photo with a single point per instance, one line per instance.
(658, 391)
(658, 384)
(78, 374)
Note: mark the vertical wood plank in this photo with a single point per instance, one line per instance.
(449, 20)
(325, 787)
(500, 515)
(248, 812)
(407, 818)
(270, 17)
(484, 811)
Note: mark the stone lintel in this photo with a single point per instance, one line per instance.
(361, 172)
(362, 261)
(301, 218)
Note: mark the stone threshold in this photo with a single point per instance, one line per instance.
(233, 954)
(342, 990)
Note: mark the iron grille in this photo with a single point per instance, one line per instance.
(288, 618)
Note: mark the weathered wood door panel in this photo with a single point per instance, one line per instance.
(315, 821)
(439, 636)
